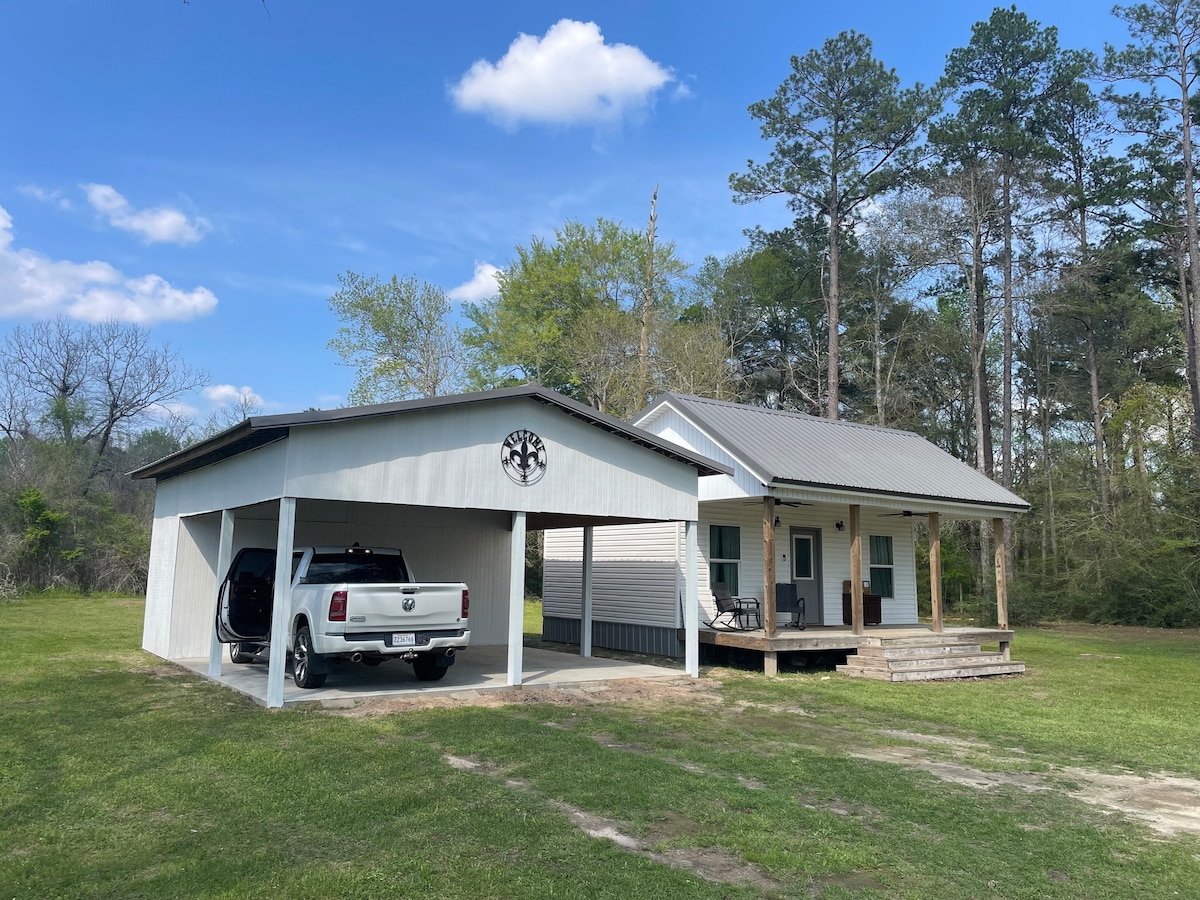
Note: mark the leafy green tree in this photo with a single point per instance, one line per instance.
(576, 313)
(841, 129)
(1162, 54)
(1007, 84)
(397, 335)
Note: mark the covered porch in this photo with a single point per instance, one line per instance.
(882, 652)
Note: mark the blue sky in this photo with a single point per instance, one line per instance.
(208, 168)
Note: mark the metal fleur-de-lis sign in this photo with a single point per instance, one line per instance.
(523, 457)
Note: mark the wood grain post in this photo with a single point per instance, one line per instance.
(935, 569)
(856, 585)
(1001, 574)
(768, 605)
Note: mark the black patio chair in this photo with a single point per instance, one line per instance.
(786, 601)
(735, 611)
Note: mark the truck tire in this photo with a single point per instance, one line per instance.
(241, 653)
(427, 669)
(304, 661)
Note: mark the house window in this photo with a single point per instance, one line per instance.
(882, 567)
(724, 555)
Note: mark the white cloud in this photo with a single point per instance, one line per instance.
(227, 393)
(34, 285)
(569, 76)
(160, 224)
(482, 286)
(40, 193)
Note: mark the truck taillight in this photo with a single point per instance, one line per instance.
(466, 602)
(337, 607)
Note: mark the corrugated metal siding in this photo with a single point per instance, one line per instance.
(195, 586)
(841, 454)
(617, 636)
(160, 582)
(451, 458)
(634, 574)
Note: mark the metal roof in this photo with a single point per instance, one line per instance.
(259, 430)
(796, 449)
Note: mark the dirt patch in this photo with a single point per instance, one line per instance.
(709, 863)
(658, 692)
(1169, 804)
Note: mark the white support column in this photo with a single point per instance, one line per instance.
(516, 600)
(224, 557)
(585, 617)
(691, 601)
(281, 615)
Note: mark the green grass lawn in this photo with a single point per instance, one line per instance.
(123, 777)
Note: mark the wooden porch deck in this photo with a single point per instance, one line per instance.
(884, 652)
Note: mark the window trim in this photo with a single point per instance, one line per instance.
(735, 562)
(890, 567)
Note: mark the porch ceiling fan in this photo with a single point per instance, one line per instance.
(792, 503)
(908, 514)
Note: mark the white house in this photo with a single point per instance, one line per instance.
(808, 501)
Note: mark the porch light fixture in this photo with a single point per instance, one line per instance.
(777, 521)
(840, 526)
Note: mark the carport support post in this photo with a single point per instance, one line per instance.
(585, 612)
(691, 603)
(935, 570)
(282, 602)
(224, 556)
(516, 600)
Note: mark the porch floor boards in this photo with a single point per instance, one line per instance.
(884, 652)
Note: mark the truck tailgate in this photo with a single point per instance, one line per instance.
(403, 607)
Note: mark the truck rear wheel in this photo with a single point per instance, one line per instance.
(241, 653)
(304, 661)
(427, 669)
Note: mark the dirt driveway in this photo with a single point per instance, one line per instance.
(1167, 803)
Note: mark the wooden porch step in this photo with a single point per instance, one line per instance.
(991, 664)
(921, 652)
(936, 662)
(935, 639)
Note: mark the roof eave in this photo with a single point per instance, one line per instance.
(989, 505)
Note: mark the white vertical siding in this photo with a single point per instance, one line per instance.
(195, 586)
(160, 582)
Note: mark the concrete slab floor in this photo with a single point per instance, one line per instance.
(476, 669)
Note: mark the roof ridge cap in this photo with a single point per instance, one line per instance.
(795, 414)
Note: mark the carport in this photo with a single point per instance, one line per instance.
(454, 481)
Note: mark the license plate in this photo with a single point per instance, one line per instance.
(404, 639)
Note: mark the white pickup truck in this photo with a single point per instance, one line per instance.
(348, 603)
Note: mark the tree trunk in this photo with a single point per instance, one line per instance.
(983, 406)
(1193, 231)
(832, 304)
(1097, 418)
(648, 300)
(1006, 430)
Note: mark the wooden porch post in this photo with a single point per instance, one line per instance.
(1001, 580)
(935, 569)
(768, 609)
(856, 586)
